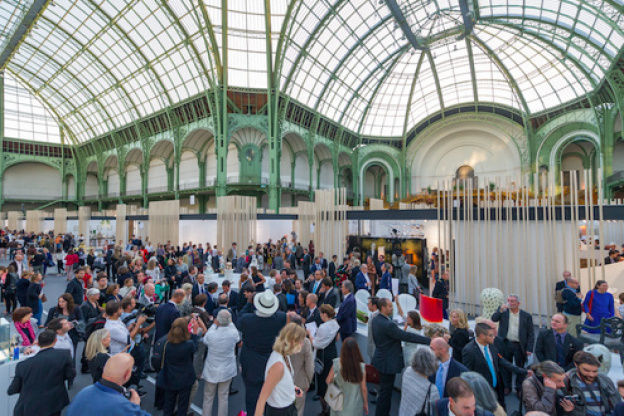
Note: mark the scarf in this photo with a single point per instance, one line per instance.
(28, 337)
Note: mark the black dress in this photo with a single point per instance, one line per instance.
(459, 339)
(256, 279)
(96, 365)
(327, 354)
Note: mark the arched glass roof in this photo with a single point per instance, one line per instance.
(103, 64)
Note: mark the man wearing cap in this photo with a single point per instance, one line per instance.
(259, 330)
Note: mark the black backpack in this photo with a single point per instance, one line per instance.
(97, 323)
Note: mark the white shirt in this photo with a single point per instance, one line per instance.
(64, 342)
(325, 334)
(120, 336)
(514, 326)
(220, 364)
(283, 394)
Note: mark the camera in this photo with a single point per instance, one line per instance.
(573, 399)
(147, 310)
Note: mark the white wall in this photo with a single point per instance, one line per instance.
(198, 231)
(189, 169)
(574, 163)
(285, 165)
(327, 175)
(211, 164)
(133, 178)
(91, 186)
(266, 163)
(369, 184)
(32, 179)
(489, 150)
(233, 166)
(156, 175)
(113, 182)
(286, 199)
(302, 171)
(71, 187)
(273, 229)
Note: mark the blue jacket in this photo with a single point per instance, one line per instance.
(386, 282)
(346, 316)
(99, 400)
(360, 282)
(165, 315)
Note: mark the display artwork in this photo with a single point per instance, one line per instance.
(491, 300)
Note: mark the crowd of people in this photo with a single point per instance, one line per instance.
(291, 322)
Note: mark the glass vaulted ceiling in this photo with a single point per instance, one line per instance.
(103, 64)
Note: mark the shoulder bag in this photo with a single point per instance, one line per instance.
(334, 396)
(423, 412)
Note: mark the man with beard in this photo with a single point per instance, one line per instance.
(596, 394)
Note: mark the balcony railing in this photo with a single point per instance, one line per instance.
(189, 185)
(157, 189)
(32, 197)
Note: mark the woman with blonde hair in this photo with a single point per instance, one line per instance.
(460, 336)
(186, 306)
(279, 392)
(96, 352)
(153, 270)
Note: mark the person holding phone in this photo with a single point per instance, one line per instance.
(539, 392)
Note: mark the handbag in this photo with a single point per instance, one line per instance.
(319, 365)
(44, 298)
(422, 410)
(334, 396)
(372, 375)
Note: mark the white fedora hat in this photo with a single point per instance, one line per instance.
(266, 302)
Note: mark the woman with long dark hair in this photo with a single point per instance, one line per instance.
(348, 372)
(66, 308)
(34, 296)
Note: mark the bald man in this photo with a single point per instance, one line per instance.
(107, 397)
(448, 367)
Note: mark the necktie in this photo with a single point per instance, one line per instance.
(316, 286)
(560, 351)
(439, 382)
(201, 289)
(488, 358)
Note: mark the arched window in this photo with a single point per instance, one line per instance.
(464, 172)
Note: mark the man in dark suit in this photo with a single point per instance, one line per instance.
(448, 367)
(199, 307)
(323, 260)
(460, 402)
(556, 344)
(281, 297)
(388, 358)
(74, 287)
(329, 294)
(480, 355)
(612, 258)
(346, 316)
(314, 284)
(200, 286)
(333, 266)
(40, 380)
(516, 330)
(386, 277)
(441, 291)
(232, 296)
(306, 263)
(314, 315)
(211, 288)
(167, 313)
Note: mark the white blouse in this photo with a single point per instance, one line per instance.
(283, 395)
(325, 334)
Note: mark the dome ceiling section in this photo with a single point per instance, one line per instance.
(12, 12)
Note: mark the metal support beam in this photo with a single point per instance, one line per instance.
(30, 18)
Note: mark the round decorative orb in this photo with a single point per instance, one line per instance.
(491, 299)
(603, 354)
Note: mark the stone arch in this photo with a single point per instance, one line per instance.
(565, 140)
(111, 175)
(198, 141)
(133, 157)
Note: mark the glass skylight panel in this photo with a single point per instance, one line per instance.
(25, 116)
